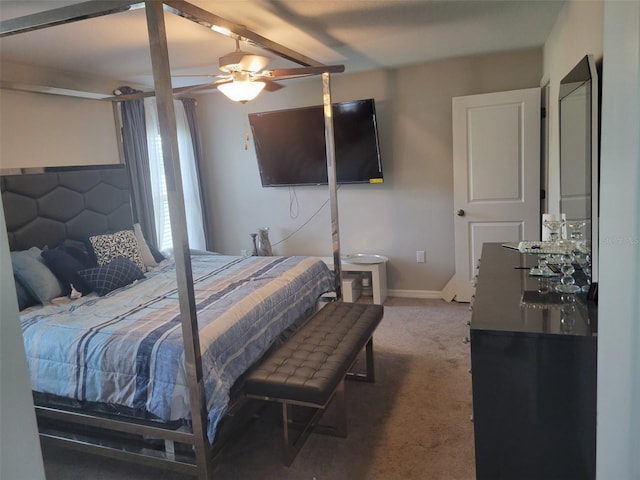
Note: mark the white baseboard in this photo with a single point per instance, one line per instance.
(428, 294)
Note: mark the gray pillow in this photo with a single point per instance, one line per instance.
(25, 299)
(147, 256)
(29, 268)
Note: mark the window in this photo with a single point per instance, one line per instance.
(189, 174)
(161, 201)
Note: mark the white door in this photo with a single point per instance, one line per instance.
(496, 175)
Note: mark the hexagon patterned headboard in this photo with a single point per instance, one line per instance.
(71, 203)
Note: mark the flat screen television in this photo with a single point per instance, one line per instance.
(290, 145)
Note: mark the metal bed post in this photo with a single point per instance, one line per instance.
(184, 276)
(332, 180)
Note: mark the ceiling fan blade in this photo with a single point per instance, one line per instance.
(202, 86)
(284, 73)
(195, 75)
(271, 86)
(222, 82)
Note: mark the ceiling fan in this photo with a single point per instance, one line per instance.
(243, 77)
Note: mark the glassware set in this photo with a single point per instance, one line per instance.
(567, 252)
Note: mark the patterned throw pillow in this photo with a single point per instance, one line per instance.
(120, 244)
(117, 273)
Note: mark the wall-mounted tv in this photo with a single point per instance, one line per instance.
(290, 145)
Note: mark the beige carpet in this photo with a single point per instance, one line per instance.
(413, 423)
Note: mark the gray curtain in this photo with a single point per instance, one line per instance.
(190, 110)
(134, 135)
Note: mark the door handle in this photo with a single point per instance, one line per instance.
(460, 213)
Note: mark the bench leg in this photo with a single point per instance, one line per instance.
(370, 376)
(341, 411)
(339, 428)
(291, 445)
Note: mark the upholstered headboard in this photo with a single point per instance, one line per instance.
(65, 203)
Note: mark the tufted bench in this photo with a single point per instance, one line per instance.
(309, 369)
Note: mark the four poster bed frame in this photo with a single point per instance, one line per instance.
(197, 439)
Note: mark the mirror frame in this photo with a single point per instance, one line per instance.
(586, 73)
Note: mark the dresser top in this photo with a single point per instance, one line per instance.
(509, 299)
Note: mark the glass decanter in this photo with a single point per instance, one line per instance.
(555, 229)
(567, 282)
(576, 233)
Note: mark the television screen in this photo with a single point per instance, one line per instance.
(290, 145)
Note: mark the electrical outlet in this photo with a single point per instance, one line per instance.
(243, 252)
(420, 256)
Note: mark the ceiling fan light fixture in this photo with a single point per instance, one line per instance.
(241, 91)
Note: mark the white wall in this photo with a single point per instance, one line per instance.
(412, 210)
(610, 30)
(20, 455)
(618, 443)
(578, 32)
(42, 130)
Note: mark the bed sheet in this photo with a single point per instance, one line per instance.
(126, 348)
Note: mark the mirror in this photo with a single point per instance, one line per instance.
(579, 118)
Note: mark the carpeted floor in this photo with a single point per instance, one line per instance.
(413, 423)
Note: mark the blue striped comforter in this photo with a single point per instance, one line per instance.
(126, 348)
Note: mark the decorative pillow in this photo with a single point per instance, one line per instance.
(147, 256)
(78, 250)
(30, 269)
(25, 299)
(157, 256)
(120, 244)
(66, 268)
(117, 273)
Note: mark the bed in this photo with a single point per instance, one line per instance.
(124, 432)
(120, 353)
(126, 348)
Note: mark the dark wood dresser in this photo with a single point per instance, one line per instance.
(533, 361)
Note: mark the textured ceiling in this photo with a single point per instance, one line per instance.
(362, 34)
